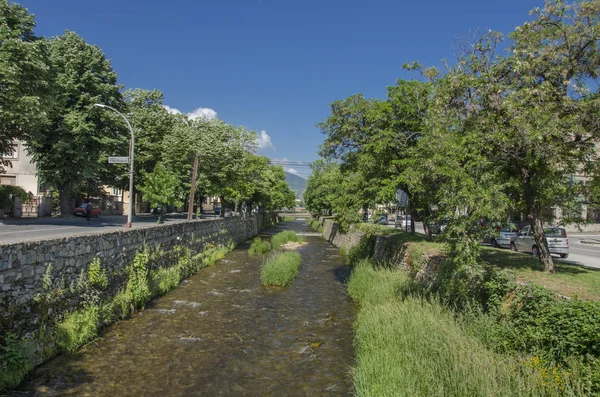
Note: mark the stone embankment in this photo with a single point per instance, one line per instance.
(27, 268)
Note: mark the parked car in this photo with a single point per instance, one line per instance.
(383, 219)
(402, 221)
(556, 236)
(218, 210)
(503, 235)
(80, 211)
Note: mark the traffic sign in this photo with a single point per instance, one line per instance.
(118, 160)
(401, 198)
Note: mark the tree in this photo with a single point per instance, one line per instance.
(160, 189)
(73, 148)
(554, 60)
(24, 99)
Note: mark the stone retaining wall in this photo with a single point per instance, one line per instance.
(23, 265)
(342, 240)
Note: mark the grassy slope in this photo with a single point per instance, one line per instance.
(410, 347)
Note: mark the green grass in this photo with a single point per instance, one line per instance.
(568, 280)
(284, 237)
(407, 346)
(78, 328)
(289, 219)
(259, 246)
(280, 269)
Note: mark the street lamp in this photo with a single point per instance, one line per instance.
(130, 214)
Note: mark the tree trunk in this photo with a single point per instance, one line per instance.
(222, 214)
(65, 200)
(541, 242)
(427, 231)
(235, 208)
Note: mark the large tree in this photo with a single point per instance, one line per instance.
(73, 148)
(24, 74)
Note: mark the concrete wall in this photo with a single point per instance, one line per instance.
(22, 265)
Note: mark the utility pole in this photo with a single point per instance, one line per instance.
(192, 190)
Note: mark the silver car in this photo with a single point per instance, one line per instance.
(503, 236)
(556, 236)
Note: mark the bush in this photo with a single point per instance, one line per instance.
(259, 246)
(137, 284)
(165, 279)
(284, 237)
(97, 275)
(281, 269)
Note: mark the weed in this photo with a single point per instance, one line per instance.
(280, 269)
(14, 361)
(97, 275)
(77, 328)
(284, 237)
(137, 283)
(259, 246)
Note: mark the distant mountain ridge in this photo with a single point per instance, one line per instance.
(296, 183)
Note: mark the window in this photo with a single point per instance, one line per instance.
(12, 153)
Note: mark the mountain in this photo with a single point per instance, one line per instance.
(296, 183)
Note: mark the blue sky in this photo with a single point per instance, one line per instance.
(272, 65)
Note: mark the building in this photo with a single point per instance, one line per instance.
(23, 170)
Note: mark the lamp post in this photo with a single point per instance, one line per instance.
(131, 146)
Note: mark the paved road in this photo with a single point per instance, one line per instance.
(14, 230)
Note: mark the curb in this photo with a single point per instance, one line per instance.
(590, 242)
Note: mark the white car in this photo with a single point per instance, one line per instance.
(556, 236)
(402, 221)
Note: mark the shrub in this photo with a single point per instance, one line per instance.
(212, 254)
(77, 328)
(14, 361)
(284, 237)
(259, 246)
(281, 269)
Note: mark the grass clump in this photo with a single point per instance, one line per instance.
(284, 237)
(289, 219)
(409, 346)
(281, 269)
(259, 246)
(78, 328)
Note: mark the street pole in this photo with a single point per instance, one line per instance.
(192, 190)
(131, 153)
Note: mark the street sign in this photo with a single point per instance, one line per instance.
(118, 160)
(401, 198)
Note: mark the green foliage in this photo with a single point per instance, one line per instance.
(7, 192)
(284, 237)
(165, 279)
(289, 219)
(212, 254)
(137, 284)
(72, 149)
(25, 96)
(97, 275)
(14, 361)
(160, 188)
(259, 246)
(280, 269)
(78, 328)
(406, 346)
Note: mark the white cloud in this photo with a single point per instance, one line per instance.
(171, 110)
(291, 171)
(264, 141)
(206, 113)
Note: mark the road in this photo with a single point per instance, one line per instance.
(15, 230)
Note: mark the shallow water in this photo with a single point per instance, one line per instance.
(222, 333)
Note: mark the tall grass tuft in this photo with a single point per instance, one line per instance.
(259, 246)
(408, 346)
(284, 237)
(280, 269)
(78, 328)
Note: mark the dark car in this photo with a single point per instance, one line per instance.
(218, 210)
(383, 220)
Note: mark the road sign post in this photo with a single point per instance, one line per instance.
(118, 160)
